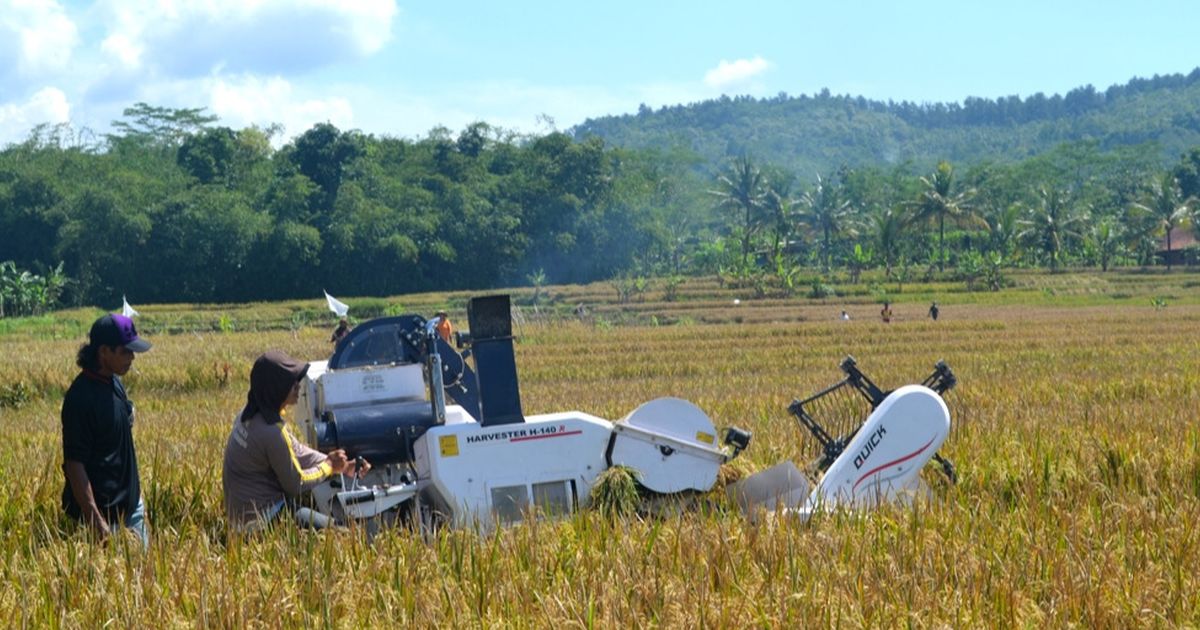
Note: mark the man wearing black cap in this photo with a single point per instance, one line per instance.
(102, 488)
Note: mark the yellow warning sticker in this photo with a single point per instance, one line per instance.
(707, 438)
(448, 444)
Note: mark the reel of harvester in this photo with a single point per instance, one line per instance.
(834, 415)
(868, 446)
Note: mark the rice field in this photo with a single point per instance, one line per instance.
(1076, 437)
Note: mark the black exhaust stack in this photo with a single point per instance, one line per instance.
(490, 320)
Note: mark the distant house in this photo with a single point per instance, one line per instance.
(1185, 249)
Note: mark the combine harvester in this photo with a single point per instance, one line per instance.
(480, 462)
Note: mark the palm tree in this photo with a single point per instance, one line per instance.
(742, 193)
(1051, 224)
(778, 208)
(827, 214)
(1106, 238)
(1002, 228)
(887, 226)
(1139, 234)
(1167, 207)
(938, 201)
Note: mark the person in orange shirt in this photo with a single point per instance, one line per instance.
(443, 327)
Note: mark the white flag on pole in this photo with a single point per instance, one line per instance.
(126, 309)
(339, 308)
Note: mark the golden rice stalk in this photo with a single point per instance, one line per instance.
(616, 492)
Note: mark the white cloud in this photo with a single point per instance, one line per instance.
(188, 38)
(36, 37)
(731, 73)
(250, 100)
(48, 105)
(125, 51)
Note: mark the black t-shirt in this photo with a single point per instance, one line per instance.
(97, 422)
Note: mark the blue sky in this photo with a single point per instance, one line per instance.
(401, 68)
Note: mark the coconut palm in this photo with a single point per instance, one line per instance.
(1002, 228)
(887, 228)
(939, 201)
(778, 209)
(1051, 224)
(742, 191)
(1166, 207)
(1106, 239)
(826, 213)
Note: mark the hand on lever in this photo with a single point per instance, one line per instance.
(360, 467)
(338, 461)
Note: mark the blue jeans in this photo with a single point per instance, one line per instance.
(136, 522)
(304, 517)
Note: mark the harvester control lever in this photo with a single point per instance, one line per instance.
(358, 466)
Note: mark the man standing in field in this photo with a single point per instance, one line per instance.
(443, 327)
(102, 487)
(339, 333)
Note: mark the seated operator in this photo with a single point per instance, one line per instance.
(267, 469)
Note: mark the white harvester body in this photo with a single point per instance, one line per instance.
(476, 476)
(480, 462)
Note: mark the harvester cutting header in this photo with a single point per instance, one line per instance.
(450, 443)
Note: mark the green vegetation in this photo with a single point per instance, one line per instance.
(824, 132)
(172, 208)
(25, 293)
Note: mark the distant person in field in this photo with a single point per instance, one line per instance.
(103, 490)
(845, 316)
(886, 313)
(343, 329)
(267, 470)
(933, 311)
(443, 327)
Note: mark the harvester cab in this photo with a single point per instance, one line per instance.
(450, 443)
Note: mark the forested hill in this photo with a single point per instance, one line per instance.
(818, 134)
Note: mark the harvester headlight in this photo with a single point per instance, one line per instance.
(738, 439)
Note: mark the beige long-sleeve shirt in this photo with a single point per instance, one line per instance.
(264, 465)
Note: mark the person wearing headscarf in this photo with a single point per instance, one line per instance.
(266, 469)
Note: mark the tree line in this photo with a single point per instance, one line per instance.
(173, 207)
(1075, 206)
(823, 131)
